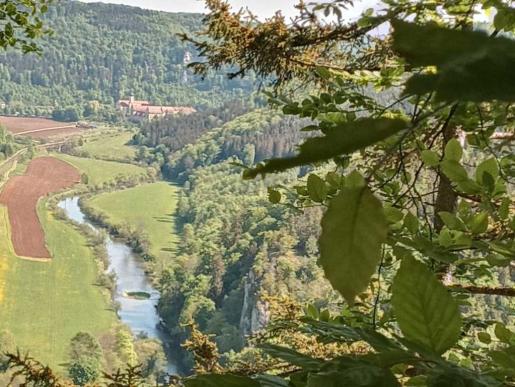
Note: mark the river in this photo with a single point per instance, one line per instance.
(140, 315)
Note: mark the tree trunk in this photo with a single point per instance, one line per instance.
(446, 199)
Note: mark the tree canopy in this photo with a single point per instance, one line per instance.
(22, 23)
(412, 159)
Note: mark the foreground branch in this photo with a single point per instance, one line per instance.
(506, 292)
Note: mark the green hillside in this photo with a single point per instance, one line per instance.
(102, 52)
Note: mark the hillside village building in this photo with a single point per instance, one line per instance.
(138, 110)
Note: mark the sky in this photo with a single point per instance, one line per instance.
(262, 8)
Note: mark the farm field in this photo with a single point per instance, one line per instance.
(110, 146)
(44, 304)
(39, 128)
(150, 207)
(100, 171)
(21, 194)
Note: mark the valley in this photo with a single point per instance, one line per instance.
(120, 193)
(222, 199)
(53, 259)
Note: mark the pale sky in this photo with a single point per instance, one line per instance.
(262, 8)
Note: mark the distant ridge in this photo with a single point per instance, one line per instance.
(100, 53)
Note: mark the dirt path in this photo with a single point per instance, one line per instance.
(45, 129)
(20, 195)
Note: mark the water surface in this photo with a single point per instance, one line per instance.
(140, 315)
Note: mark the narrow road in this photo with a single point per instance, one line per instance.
(74, 125)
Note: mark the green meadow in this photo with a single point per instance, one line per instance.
(44, 304)
(101, 171)
(110, 146)
(150, 207)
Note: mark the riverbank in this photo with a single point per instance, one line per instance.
(139, 314)
(45, 304)
(144, 216)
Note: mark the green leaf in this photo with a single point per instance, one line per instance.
(352, 372)
(449, 376)
(365, 376)
(454, 171)
(503, 359)
(453, 151)
(451, 221)
(504, 19)
(274, 196)
(497, 260)
(324, 315)
(487, 172)
(445, 238)
(353, 230)
(214, 380)
(333, 179)
(502, 333)
(393, 215)
(484, 337)
(292, 357)
(354, 180)
(479, 223)
(317, 189)
(488, 182)
(468, 186)
(430, 158)
(344, 139)
(426, 312)
(272, 381)
(470, 65)
(490, 166)
(416, 381)
(411, 223)
(312, 311)
(504, 209)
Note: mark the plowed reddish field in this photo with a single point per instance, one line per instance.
(44, 175)
(40, 128)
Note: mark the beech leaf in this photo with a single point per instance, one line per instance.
(426, 312)
(353, 230)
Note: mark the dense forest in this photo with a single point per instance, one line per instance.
(99, 53)
(236, 246)
(249, 138)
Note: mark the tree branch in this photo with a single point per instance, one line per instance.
(506, 292)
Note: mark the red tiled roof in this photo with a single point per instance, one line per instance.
(163, 109)
(179, 109)
(142, 108)
(135, 102)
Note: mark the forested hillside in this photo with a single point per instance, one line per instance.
(236, 246)
(102, 52)
(206, 138)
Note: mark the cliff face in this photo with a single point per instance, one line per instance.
(254, 313)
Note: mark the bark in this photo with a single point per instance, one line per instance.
(446, 198)
(506, 292)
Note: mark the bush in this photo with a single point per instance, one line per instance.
(85, 371)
